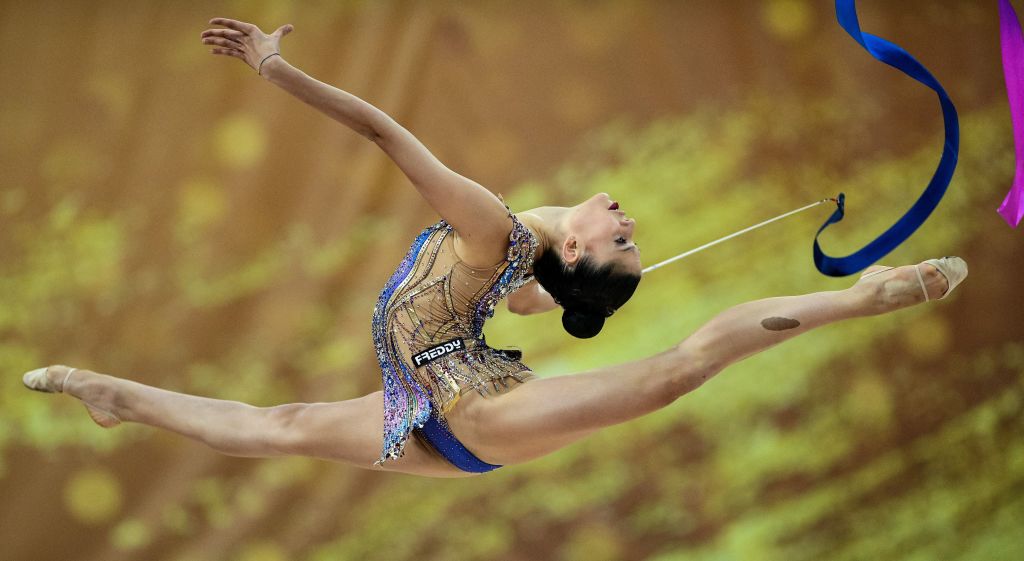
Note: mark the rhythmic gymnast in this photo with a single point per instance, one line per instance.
(451, 405)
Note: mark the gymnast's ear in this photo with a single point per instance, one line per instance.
(571, 251)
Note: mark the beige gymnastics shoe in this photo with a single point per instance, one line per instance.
(39, 381)
(953, 268)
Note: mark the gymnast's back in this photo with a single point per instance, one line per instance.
(428, 329)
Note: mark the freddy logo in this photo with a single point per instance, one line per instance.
(437, 351)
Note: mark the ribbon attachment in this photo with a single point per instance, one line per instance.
(1011, 41)
(895, 56)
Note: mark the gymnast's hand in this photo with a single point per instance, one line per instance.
(244, 40)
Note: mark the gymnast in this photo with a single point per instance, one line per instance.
(470, 407)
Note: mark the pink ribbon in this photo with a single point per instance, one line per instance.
(1012, 42)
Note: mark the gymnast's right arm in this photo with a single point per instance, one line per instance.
(482, 223)
(478, 216)
(337, 104)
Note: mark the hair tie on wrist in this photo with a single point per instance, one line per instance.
(260, 70)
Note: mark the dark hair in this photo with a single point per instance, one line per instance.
(587, 292)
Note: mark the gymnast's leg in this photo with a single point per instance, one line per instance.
(545, 414)
(345, 431)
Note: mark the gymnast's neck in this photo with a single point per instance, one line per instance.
(548, 223)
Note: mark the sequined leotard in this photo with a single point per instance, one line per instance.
(428, 329)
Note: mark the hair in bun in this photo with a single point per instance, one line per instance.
(588, 292)
(581, 324)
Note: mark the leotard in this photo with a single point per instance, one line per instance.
(428, 334)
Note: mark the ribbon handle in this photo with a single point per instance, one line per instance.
(895, 56)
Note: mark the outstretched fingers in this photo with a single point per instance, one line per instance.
(229, 33)
(242, 26)
(229, 43)
(244, 40)
(229, 40)
(229, 52)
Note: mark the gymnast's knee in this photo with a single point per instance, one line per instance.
(691, 364)
(284, 434)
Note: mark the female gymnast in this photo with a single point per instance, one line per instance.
(428, 324)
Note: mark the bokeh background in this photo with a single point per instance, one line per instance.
(170, 217)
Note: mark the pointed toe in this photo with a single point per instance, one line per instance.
(36, 380)
(951, 267)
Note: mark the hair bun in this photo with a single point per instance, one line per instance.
(581, 324)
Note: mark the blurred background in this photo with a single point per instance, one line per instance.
(172, 218)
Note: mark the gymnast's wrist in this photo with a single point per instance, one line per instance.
(271, 66)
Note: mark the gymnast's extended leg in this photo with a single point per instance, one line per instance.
(345, 431)
(547, 413)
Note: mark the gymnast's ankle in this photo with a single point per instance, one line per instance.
(96, 389)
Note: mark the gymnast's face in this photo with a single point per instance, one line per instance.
(598, 228)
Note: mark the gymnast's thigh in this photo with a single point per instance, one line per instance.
(545, 414)
(352, 432)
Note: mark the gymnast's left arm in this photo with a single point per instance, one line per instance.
(531, 298)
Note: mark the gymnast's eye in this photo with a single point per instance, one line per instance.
(620, 239)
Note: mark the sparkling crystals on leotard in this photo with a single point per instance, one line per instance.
(410, 394)
(405, 405)
(522, 246)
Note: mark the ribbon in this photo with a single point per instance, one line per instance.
(1012, 43)
(895, 56)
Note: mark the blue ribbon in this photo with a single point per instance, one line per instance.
(895, 56)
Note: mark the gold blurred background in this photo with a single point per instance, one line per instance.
(172, 218)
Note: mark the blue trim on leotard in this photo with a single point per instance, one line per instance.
(441, 438)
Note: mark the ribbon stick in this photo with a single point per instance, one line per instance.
(734, 234)
(1012, 43)
(895, 56)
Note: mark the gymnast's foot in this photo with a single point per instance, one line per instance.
(58, 379)
(892, 288)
